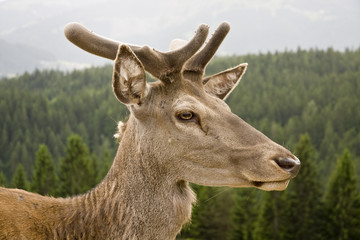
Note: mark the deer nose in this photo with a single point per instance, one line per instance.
(289, 165)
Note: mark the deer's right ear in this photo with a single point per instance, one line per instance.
(221, 85)
(129, 78)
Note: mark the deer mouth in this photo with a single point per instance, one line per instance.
(271, 186)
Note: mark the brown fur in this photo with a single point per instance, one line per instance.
(126, 205)
(180, 130)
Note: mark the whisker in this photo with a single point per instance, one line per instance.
(217, 194)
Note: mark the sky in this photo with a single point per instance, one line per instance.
(256, 25)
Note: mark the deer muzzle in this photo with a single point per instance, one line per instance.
(289, 165)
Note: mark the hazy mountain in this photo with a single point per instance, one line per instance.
(17, 58)
(257, 25)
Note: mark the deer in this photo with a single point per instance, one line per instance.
(179, 131)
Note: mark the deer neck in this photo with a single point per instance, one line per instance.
(138, 197)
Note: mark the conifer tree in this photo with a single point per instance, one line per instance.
(342, 201)
(243, 214)
(74, 170)
(208, 220)
(93, 171)
(300, 218)
(106, 164)
(266, 225)
(44, 176)
(2, 179)
(19, 179)
(295, 213)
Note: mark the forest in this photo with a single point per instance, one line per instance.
(56, 138)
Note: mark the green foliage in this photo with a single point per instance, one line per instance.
(342, 201)
(267, 224)
(48, 106)
(243, 215)
(19, 179)
(209, 218)
(75, 173)
(93, 171)
(104, 166)
(300, 203)
(44, 180)
(3, 181)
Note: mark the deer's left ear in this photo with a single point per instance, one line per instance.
(222, 84)
(129, 78)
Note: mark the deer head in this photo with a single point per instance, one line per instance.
(181, 121)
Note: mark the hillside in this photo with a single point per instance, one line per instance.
(282, 94)
(307, 101)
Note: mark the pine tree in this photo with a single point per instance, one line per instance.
(243, 214)
(300, 218)
(44, 176)
(2, 179)
(106, 164)
(208, 218)
(93, 171)
(75, 168)
(342, 201)
(267, 223)
(19, 179)
(328, 148)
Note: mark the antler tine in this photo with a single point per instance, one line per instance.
(199, 61)
(156, 63)
(172, 61)
(91, 42)
(181, 55)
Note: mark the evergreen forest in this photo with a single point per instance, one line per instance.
(56, 138)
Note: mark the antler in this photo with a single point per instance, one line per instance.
(159, 64)
(198, 62)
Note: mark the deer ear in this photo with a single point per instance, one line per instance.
(129, 78)
(221, 84)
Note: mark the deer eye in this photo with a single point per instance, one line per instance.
(186, 116)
